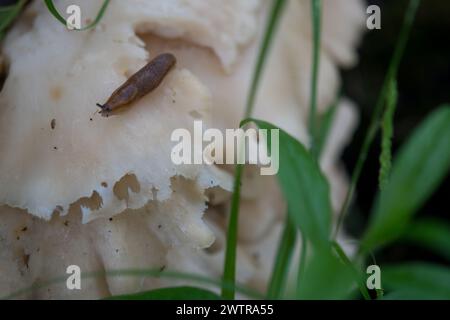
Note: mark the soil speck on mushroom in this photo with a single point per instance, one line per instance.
(56, 93)
(26, 260)
(53, 124)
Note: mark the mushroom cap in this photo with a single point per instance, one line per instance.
(57, 150)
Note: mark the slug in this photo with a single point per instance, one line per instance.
(139, 84)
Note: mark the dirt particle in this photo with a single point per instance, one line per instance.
(55, 148)
(104, 185)
(24, 229)
(26, 259)
(53, 124)
(56, 93)
(66, 223)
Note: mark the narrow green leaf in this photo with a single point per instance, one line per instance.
(419, 168)
(432, 234)
(302, 262)
(357, 276)
(416, 281)
(177, 293)
(51, 7)
(229, 272)
(387, 131)
(316, 12)
(281, 266)
(8, 14)
(305, 188)
(54, 11)
(274, 18)
(324, 127)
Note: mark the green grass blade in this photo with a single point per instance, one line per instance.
(358, 278)
(176, 293)
(274, 18)
(54, 11)
(432, 234)
(229, 273)
(416, 281)
(387, 131)
(324, 127)
(420, 166)
(51, 7)
(375, 118)
(8, 14)
(281, 266)
(316, 11)
(302, 263)
(315, 144)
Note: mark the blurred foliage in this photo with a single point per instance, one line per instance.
(177, 293)
(412, 281)
(8, 13)
(423, 82)
(418, 170)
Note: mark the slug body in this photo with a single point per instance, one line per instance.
(139, 84)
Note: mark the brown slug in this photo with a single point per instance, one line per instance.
(139, 84)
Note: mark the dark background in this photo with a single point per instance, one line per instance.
(424, 85)
(7, 2)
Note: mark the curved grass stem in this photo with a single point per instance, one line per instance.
(376, 114)
(316, 7)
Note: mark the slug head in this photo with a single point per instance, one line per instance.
(105, 110)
